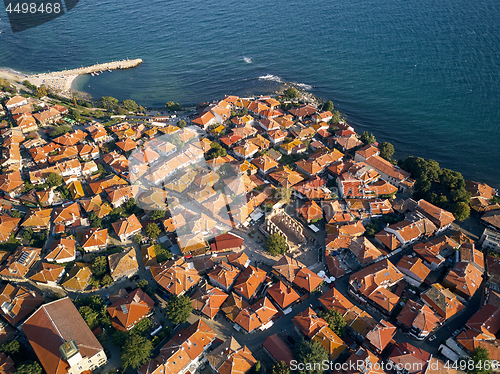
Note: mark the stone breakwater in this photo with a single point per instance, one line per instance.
(61, 81)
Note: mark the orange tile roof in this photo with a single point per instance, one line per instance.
(62, 250)
(415, 266)
(38, 218)
(20, 262)
(47, 273)
(283, 295)
(309, 323)
(364, 250)
(53, 324)
(307, 280)
(310, 211)
(287, 267)
(18, 303)
(67, 214)
(256, 315)
(208, 300)
(127, 226)
(231, 358)
(95, 237)
(8, 225)
(11, 181)
(78, 277)
(224, 274)
(123, 264)
(381, 335)
(419, 316)
(249, 281)
(438, 216)
(286, 177)
(129, 310)
(442, 300)
(333, 344)
(175, 276)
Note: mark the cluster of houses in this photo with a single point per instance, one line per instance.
(270, 153)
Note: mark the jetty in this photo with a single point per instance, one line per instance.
(60, 81)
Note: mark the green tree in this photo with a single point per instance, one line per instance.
(178, 309)
(142, 327)
(386, 150)
(54, 179)
(335, 117)
(157, 214)
(460, 210)
(15, 213)
(90, 316)
(480, 357)
(130, 105)
(367, 138)
(28, 186)
(108, 102)
(40, 92)
(291, 93)
(257, 367)
(173, 106)
(181, 124)
(328, 106)
(99, 266)
(216, 150)
(279, 368)
(138, 238)
(60, 130)
(276, 244)
(335, 321)
(11, 348)
(142, 284)
(162, 254)
(136, 351)
(29, 367)
(152, 230)
(310, 352)
(76, 114)
(107, 280)
(459, 194)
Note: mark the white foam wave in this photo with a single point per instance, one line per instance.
(248, 60)
(270, 77)
(304, 86)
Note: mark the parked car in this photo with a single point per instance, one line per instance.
(290, 340)
(432, 338)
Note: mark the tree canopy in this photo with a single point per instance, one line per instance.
(130, 105)
(216, 150)
(173, 106)
(40, 92)
(328, 106)
(335, 321)
(54, 179)
(386, 150)
(136, 351)
(279, 368)
(29, 367)
(178, 309)
(152, 230)
(291, 93)
(367, 138)
(99, 266)
(310, 352)
(276, 244)
(481, 360)
(157, 214)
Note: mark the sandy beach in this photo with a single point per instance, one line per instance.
(61, 81)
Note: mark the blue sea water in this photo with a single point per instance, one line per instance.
(424, 76)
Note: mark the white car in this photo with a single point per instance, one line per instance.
(432, 338)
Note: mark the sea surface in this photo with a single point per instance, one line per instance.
(424, 76)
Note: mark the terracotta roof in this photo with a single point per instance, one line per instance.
(286, 177)
(364, 250)
(8, 225)
(466, 278)
(20, 262)
(127, 226)
(492, 218)
(62, 250)
(95, 237)
(278, 349)
(67, 214)
(310, 211)
(442, 300)
(415, 266)
(78, 277)
(313, 188)
(309, 323)
(240, 260)
(208, 300)
(486, 321)
(181, 350)
(52, 325)
(47, 273)
(224, 274)
(231, 358)
(406, 355)
(18, 302)
(233, 305)
(249, 281)
(123, 264)
(283, 295)
(384, 166)
(264, 163)
(364, 361)
(38, 218)
(287, 267)
(420, 316)
(381, 335)
(130, 309)
(228, 241)
(175, 276)
(256, 315)
(438, 216)
(307, 280)
(330, 341)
